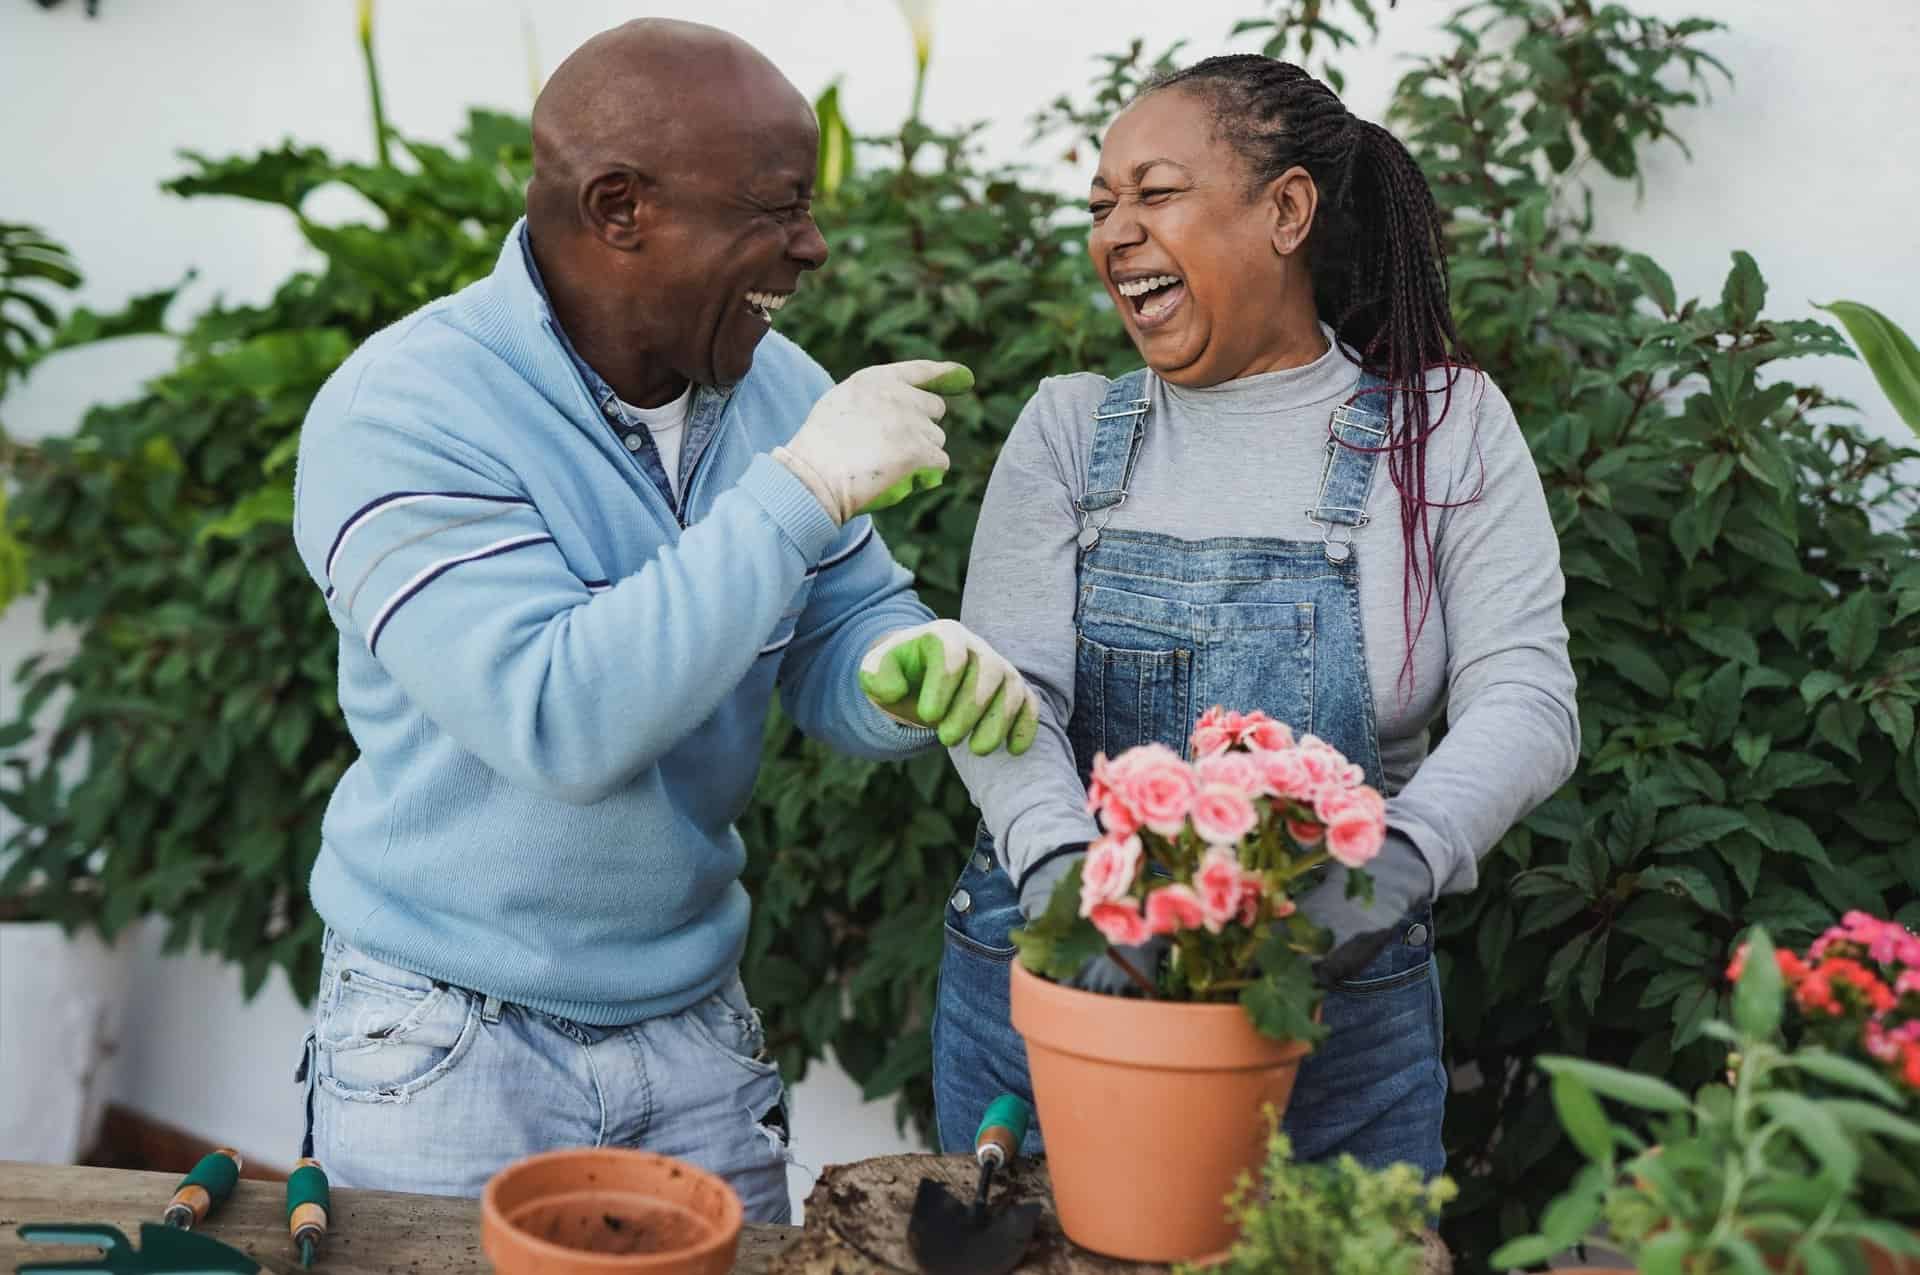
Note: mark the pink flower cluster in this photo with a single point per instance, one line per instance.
(1860, 980)
(1248, 770)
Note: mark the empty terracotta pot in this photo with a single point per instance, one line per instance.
(1151, 1110)
(606, 1210)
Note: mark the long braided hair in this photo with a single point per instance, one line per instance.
(1377, 256)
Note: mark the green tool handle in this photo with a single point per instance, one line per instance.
(308, 1185)
(957, 381)
(1002, 1130)
(217, 1171)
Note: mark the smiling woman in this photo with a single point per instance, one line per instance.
(1307, 503)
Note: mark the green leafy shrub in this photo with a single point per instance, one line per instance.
(1333, 1218)
(1742, 579)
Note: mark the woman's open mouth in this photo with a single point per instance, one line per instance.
(1154, 298)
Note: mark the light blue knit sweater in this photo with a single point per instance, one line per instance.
(557, 684)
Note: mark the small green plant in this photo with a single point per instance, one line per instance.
(1334, 1218)
(1768, 1171)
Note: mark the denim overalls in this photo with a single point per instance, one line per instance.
(1165, 629)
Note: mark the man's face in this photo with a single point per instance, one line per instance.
(732, 233)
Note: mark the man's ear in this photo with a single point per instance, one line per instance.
(617, 205)
(1293, 198)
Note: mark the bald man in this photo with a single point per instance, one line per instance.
(575, 524)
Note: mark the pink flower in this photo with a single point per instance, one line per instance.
(1108, 872)
(1286, 774)
(1238, 771)
(1223, 815)
(1259, 731)
(1333, 802)
(1224, 887)
(1323, 761)
(1356, 836)
(1249, 914)
(1120, 923)
(1211, 741)
(1307, 834)
(1172, 908)
(1105, 798)
(1284, 907)
(1908, 982)
(1158, 785)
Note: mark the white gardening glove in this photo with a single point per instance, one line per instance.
(942, 675)
(868, 433)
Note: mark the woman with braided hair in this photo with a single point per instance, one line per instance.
(1309, 503)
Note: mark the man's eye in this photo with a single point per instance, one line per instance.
(1156, 194)
(1101, 209)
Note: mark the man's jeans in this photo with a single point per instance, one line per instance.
(418, 1086)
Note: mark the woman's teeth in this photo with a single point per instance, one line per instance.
(1141, 287)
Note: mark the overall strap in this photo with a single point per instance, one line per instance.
(1119, 425)
(1355, 437)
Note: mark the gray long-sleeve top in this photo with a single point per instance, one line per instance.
(1245, 459)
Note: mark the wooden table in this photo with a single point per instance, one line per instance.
(373, 1232)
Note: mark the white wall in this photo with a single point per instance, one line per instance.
(1807, 161)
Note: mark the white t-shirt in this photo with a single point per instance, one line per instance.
(668, 425)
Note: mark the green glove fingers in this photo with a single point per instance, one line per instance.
(966, 709)
(993, 725)
(938, 685)
(896, 677)
(1025, 727)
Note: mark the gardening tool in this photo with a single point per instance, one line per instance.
(949, 1238)
(209, 1182)
(308, 1204)
(947, 384)
(162, 1248)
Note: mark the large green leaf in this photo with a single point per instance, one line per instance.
(1889, 352)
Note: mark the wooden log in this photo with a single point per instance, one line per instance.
(856, 1221)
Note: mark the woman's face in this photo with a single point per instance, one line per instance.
(1196, 267)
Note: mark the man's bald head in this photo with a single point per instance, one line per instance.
(651, 97)
(672, 192)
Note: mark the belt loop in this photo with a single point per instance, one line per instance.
(490, 1011)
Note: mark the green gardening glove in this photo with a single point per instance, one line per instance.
(940, 675)
(957, 381)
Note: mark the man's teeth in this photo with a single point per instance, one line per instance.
(1140, 287)
(768, 301)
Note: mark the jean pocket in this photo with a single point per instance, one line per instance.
(727, 1022)
(385, 1036)
(983, 910)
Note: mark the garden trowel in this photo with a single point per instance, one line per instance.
(949, 1238)
(162, 1248)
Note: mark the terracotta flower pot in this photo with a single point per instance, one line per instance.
(1151, 1110)
(608, 1210)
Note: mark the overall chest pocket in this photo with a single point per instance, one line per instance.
(1132, 696)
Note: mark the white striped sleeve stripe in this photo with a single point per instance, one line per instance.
(848, 552)
(428, 574)
(399, 500)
